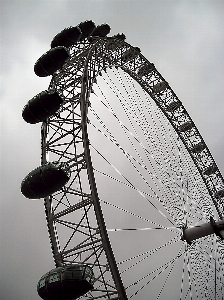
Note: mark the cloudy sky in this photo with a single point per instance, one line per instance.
(185, 41)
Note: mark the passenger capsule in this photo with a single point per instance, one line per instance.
(186, 126)
(119, 36)
(101, 30)
(173, 106)
(51, 61)
(130, 54)
(45, 180)
(41, 107)
(219, 194)
(198, 147)
(211, 170)
(113, 43)
(66, 283)
(160, 87)
(67, 37)
(145, 69)
(87, 28)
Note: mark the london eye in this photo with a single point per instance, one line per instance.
(133, 198)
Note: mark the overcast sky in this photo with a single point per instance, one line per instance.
(185, 41)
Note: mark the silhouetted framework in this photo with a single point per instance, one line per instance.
(76, 165)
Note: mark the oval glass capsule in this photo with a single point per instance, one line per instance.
(219, 194)
(186, 126)
(67, 37)
(119, 36)
(87, 28)
(210, 170)
(51, 61)
(41, 107)
(146, 69)
(45, 180)
(173, 106)
(66, 283)
(198, 147)
(130, 54)
(101, 30)
(160, 87)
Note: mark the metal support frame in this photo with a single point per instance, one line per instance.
(88, 60)
(99, 215)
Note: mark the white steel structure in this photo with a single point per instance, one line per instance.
(141, 176)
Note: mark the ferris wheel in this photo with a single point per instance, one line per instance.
(133, 198)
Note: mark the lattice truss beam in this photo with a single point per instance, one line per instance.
(73, 208)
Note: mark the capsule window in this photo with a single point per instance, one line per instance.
(54, 278)
(88, 274)
(42, 283)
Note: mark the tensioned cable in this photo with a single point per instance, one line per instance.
(131, 134)
(179, 153)
(189, 275)
(165, 266)
(155, 129)
(195, 273)
(137, 104)
(150, 109)
(161, 115)
(140, 217)
(199, 279)
(220, 262)
(183, 272)
(119, 181)
(135, 187)
(127, 114)
(167, 277)
(146, 254)
(115, 117)
(127, 155)
(120, 148)
(137, 229)
(209, 264)
(104, 134)
(198, 269)
(134, 104)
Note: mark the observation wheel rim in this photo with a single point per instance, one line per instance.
(87, 81)
(138, 79)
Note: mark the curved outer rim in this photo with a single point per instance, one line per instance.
(94, 194)
(197, 159)
(55, 246)
(99, 46)
(87, 82)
